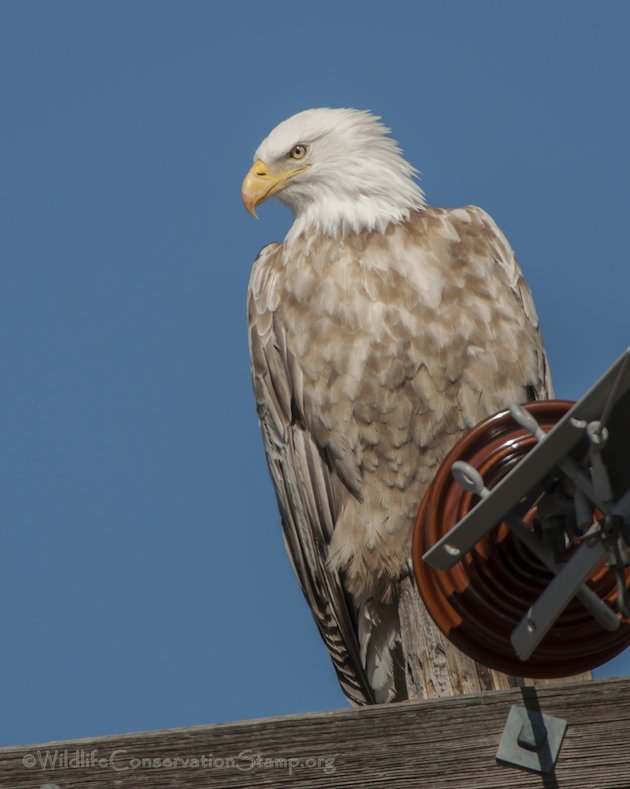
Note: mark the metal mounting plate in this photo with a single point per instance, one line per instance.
(531, 740)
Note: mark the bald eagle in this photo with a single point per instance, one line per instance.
(380, 330)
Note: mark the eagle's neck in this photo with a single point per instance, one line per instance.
(339, 206)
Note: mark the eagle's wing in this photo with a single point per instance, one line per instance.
(307, 488)
(501, 255)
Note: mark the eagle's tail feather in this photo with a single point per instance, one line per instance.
(381, 651)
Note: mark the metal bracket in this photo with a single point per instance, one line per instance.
(531, 740)
(542, 615)
(537, 622)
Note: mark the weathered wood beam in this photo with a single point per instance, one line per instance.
(447, 743)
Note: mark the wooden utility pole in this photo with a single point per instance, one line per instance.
(444, 670)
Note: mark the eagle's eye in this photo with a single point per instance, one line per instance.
(298, 152)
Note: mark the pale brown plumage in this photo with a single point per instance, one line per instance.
(372, 352)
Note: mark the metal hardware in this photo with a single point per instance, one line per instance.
(531, 740)
(535, 622)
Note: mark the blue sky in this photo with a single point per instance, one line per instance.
(142, 572)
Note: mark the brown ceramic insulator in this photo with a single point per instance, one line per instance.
(481, 599)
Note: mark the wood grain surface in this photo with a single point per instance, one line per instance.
(447, 743)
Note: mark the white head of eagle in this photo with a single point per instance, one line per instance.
(337, 169)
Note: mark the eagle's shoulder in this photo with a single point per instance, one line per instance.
(480, 276)
(266, 260)
(267, 251)
(503, 257)
(267, 263)
(471, 245)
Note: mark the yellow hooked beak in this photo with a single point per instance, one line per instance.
(259, 184)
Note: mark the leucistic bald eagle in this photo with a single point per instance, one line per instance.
(381, 329)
